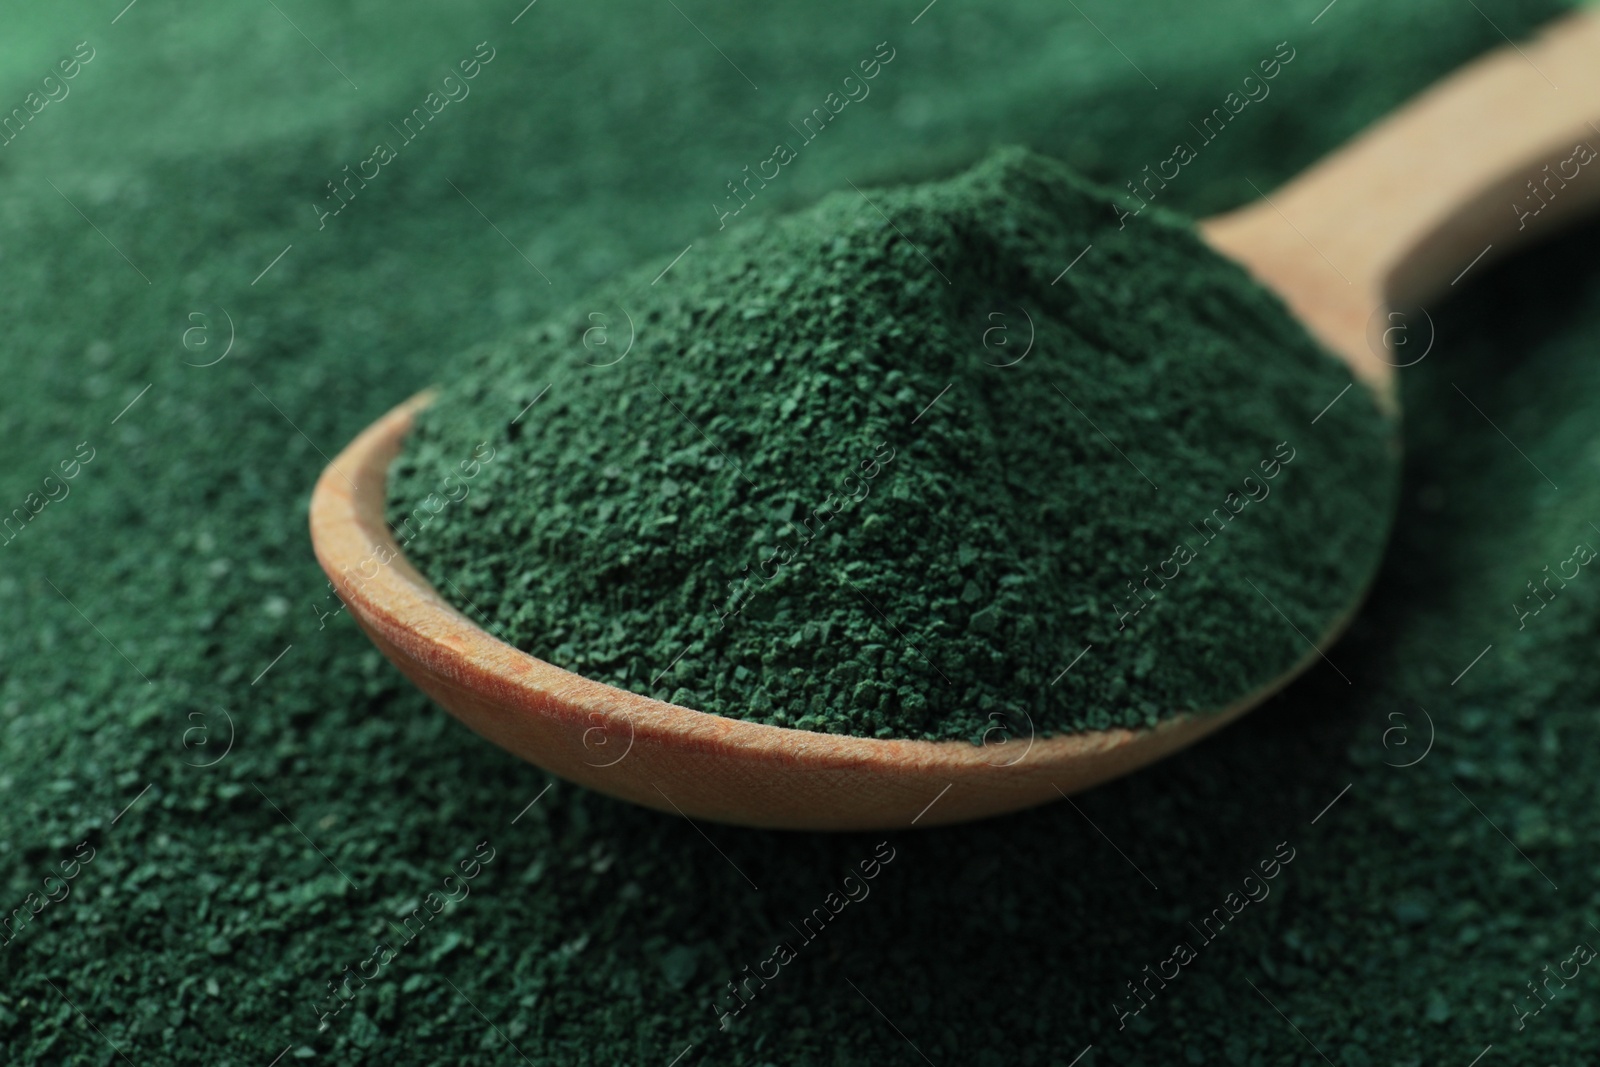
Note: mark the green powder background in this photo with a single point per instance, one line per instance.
(962, 511)
(207, 925)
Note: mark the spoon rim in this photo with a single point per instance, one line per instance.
(417, 628)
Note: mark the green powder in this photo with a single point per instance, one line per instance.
(207, 927)
(889, 467)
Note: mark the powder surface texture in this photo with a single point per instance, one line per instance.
(175, 584)
(888, 467)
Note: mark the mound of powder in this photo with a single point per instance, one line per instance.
(975, 455)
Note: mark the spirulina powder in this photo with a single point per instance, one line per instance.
(920, 463)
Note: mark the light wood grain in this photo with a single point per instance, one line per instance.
(1393, 218)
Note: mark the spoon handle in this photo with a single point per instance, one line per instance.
(1503, 152)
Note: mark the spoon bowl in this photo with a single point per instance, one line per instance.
(674, 758)
(1364, 236)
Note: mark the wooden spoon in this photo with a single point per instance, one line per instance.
(1400, 214)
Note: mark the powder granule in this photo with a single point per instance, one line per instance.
(932, 462)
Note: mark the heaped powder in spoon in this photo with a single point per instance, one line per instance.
(921, 463)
